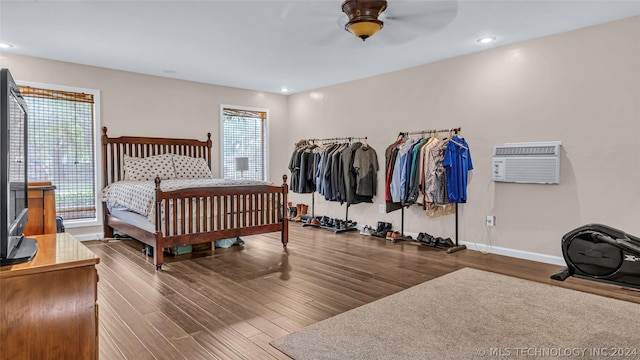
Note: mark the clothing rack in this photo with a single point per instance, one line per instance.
(424, 132)
(313, 202)
(455, 131)
(348, 138)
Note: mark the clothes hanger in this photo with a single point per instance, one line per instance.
(457, 143)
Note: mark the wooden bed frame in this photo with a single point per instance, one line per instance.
(224, 212)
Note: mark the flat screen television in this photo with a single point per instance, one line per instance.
(14, 247)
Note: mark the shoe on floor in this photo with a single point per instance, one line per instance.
(392, 235)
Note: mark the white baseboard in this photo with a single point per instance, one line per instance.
(526, 255)
(547, 259)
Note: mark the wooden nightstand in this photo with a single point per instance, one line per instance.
(42, 209)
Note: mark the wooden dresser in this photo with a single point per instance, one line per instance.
(49, 308)
(42, 209)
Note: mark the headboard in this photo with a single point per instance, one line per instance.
(114, 149)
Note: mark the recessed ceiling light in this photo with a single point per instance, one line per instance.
(486, 39)
(4, 45)
(284, 90)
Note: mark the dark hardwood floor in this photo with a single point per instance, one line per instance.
(231, 304)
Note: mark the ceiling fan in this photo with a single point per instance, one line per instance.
(363, 17)
(402, 20)
(323, 23)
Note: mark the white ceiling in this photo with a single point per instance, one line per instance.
(267, 45)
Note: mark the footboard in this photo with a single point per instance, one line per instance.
(198, 215)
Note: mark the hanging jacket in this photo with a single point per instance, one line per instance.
(365, 165)
(457, 162)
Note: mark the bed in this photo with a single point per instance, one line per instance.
(188, 209)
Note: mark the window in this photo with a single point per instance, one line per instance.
(243, 143)
(62, 147)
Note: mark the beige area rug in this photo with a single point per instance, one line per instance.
(474, 314)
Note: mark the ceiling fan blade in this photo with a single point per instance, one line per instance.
(330, 30)
(284, 11)
(314, 22)
(337, 35)
(407, 9)
(393, 35)
(431, 16)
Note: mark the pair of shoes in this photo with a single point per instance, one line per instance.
(382, 229)
(300, 209)
(313, 222)
(427, 239)
(366, 230)
(327, 221)
(445, 243)
(392, 235)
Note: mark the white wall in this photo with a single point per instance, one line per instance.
(581, 87)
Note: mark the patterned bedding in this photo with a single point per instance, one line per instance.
(139, 196)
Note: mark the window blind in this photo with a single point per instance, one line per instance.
(243, 136)
(61, 148)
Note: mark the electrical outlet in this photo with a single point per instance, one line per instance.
(381, 209)
(491, 220)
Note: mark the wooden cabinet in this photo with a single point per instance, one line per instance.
(49, 308)
(42, 209)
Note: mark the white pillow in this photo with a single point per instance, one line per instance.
(187, 167)
(146, 169)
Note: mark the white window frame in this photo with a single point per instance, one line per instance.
(97, 161)
(266, 136)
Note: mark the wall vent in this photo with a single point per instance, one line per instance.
(534, 162)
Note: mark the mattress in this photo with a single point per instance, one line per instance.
(139, 196)
(135, 219)
(142, 222)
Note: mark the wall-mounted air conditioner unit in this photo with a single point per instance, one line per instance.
(533, 162)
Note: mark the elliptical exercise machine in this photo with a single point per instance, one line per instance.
(601, 253)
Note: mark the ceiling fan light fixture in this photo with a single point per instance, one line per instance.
(363, 16)
(364, 29)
